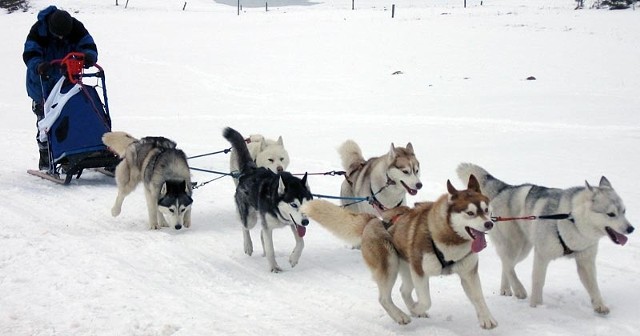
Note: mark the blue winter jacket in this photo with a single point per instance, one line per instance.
(42, 46)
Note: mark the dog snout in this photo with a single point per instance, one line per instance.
(630, 229)
(280, 169)
(418, 185)
(305, 222)
(178, 226)
(488, 225)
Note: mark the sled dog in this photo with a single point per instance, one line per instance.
(434, 238)
(273, 197)
(591, 213)
(386, 179)
(164, 172)
(267, 153)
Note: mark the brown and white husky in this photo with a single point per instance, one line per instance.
(434, 238)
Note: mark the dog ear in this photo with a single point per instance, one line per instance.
(263, 144)
(451, 189)
(280, 186)
(280, 142)
(604, 183)
(392, 152)
(588, 186)
(163, 190)
(473, 183)
(410, 148)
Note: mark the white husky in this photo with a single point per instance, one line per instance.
(267, 153)
(588, 213)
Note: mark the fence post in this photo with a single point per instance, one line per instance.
(238, 7)
(185, 6)
(266, 6)
(393, 11)
(353, 5)
(116, 2)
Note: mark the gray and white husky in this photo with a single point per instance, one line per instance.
(267, 153)
(386, 179)
(274, 197)
(164, 172)
(591, 213)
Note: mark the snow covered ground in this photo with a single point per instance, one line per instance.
(318, 73)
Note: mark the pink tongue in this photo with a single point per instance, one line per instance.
(479, 243)
(622, 239)
(301, 230)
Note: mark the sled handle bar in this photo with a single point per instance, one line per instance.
(74, 64)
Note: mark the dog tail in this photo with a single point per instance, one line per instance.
(489, 185)
(240, 147)
(343, 223)
(118, 142)
(351, 156)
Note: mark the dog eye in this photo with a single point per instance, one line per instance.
(470, 213)
(406, 172)
(172, 211)
(271, 160)
(611, 214)
(293, 205)
(281, 159)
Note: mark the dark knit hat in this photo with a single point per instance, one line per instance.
(60, 23)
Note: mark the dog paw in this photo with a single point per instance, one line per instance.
(276, 269)
(402, 319)
(154, 226)
(248, 249)
(521, 295)
(506, 292)
(601, 309)
(488, 323)
(115, 211)
(293, 262)
(419, 310)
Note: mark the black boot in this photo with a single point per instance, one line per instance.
(43, 163)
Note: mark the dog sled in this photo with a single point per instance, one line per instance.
(75, 120)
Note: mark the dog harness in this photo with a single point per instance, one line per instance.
(565, 248)
(443, 262)
(377, 204)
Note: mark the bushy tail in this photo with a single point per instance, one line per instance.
(351, 156)
(240, 147)
(118, 142)
(489, 185)
(343, 223)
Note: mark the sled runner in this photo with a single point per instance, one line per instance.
(75, 120)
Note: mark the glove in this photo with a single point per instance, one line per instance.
(43, 68)
(89, 60)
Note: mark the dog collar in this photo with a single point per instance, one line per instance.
(392, 220)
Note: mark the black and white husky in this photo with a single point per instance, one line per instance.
(164, 172)
(274, 197)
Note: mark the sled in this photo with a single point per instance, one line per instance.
(75, 120)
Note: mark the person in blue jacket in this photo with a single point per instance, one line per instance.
(52, 37)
